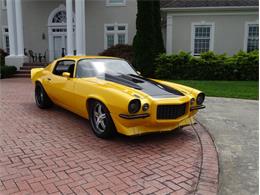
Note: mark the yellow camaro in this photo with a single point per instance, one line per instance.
(113, 96)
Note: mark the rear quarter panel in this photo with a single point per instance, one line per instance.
(36, 74)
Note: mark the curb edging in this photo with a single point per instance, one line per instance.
(209, 174)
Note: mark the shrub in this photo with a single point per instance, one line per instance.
(209, 66)
(148, 41)
(120, 51)
(3, 54)
(7, 71)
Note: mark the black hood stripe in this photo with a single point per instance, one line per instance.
(148, 86)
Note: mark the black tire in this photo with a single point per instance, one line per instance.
(41, 98)
(105, 128)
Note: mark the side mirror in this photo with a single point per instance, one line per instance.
(139, 73)
(66, 74)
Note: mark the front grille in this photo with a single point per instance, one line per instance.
(170, 111)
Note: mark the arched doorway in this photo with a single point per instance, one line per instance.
(57, 32)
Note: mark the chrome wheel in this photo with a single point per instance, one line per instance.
(39, 96)
(99, 118)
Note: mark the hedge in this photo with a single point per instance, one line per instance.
(209, 66)
(121, 51)
(7, 71)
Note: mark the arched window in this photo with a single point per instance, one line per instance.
(60, 17)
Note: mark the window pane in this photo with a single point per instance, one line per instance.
(201, 45)
(253, 31)
(253, 38)
(252, 45)
(202, 39)
(121, 39)
(110, 40)
(60, 17)
(116, 1)
(202, 31)
(110, 28)
(121, 27)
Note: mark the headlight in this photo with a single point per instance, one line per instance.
(200, 98)
(192, 101)
(145, 107)
(134, 106)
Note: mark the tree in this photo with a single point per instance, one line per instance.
(148, 42)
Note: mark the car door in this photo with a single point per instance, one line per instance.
(84, 75)
(61, 89)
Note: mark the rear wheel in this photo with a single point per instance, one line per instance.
(100, 120)
(41, 98)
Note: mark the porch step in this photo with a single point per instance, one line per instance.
(30, 67)
(35, 64)
(22, 75)
(25, 70)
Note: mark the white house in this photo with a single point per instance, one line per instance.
(53, 28)
(70, 26)
(223, 26)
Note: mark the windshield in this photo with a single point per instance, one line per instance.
(102, 67)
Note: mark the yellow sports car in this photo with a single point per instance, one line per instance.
(113, 96)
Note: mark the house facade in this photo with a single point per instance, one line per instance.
(64, 27)
(220, 26)
(54, 28)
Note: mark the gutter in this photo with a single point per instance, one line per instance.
(221, 8)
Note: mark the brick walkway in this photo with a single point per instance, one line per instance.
(54, 152)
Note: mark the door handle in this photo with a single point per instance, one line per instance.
(49, 79)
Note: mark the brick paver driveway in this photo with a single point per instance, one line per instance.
(54, 151)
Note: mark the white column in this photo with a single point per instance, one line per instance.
(69, 15)
(84, 26)
(11, 26)
(169, 34)
(19, 28)
(80, 26)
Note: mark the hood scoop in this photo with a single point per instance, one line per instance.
(123, 80)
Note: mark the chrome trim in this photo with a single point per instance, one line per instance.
(135, 116)
(197, 107)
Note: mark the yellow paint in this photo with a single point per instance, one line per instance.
(73, 94)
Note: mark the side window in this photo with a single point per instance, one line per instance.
(64, 66)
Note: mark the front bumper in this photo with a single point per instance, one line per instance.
(148, 123)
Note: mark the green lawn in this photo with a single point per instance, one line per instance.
(231, 89)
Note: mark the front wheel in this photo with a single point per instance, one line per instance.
(41, 98)
(100, 120)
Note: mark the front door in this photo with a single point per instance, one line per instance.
(59, 88)
(59, 45)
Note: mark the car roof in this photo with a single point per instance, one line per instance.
(86, 57)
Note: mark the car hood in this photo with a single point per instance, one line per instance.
(140, 85)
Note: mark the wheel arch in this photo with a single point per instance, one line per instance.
(38, 82)
(95, 98)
